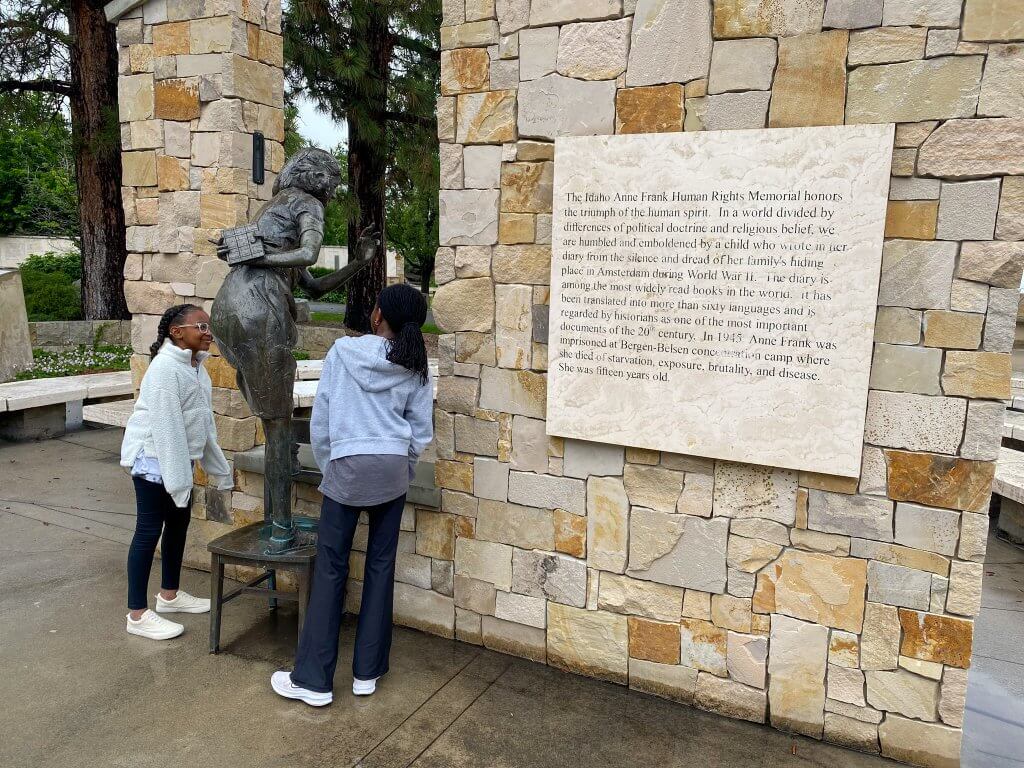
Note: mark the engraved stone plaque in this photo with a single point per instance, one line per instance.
(714, 293)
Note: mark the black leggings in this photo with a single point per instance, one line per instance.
(156, 513)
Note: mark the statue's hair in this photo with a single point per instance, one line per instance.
(297, 172)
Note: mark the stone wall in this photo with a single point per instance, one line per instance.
(197, 79)
(14, 249)
(57, 335)
(845, 610)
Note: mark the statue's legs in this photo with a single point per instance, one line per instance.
(277, 481)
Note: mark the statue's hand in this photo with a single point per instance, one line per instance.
(222, 249)
(369, 244)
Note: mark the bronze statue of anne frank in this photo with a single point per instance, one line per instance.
(254, 318)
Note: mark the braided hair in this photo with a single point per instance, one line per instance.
(405, 309)
(169, 318)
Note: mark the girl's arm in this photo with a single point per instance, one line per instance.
(320, 423)
(419, 412)
(215, 464)
(167, 426)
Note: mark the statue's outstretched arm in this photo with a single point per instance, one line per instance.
(367, 247)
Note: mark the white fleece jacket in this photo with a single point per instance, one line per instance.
(173, 422)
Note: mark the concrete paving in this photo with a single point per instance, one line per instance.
(78, 691)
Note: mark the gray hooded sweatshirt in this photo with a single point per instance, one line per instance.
(368, 407)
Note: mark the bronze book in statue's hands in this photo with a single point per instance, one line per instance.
(240, 245)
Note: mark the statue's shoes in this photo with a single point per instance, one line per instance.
(364, 687)
(183, 602)
(282, 684)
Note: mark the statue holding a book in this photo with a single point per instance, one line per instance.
(254, 315)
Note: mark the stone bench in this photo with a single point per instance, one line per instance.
(1009, 481)
(1009, 486)
(43, 408)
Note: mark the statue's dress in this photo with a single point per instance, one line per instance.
(253, 317)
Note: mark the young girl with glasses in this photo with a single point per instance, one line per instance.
(170, 429)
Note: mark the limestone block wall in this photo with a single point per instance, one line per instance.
(197, 79)
(844, 610)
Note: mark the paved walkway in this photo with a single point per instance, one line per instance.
(78, 691)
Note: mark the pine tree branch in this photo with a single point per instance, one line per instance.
(40, 86)
(408, 119)
(36, 28)
(425, 50)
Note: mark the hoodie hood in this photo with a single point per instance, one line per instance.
(364, 359)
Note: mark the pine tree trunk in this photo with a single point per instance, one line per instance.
(367, 161)
(96, 135)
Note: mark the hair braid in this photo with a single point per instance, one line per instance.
(163, 329)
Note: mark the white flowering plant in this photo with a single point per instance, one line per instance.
(72, 362)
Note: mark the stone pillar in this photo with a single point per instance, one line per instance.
(15, 341)
(856, 594)
(197, 79)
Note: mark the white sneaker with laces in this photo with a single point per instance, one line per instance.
(364, 687)
(183, 602)
(282, 684)
(154, 627)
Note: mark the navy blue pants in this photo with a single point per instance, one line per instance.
(156, 514)
(317, 655)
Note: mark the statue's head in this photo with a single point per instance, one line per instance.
(312, 170)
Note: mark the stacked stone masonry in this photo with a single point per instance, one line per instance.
(197, 79)
(832, 607)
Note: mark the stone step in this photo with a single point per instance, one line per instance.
(114, 414)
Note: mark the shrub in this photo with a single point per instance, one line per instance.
(50, 296)
(48, 282)
(52, 262)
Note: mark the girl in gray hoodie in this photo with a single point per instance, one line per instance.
(372, 417)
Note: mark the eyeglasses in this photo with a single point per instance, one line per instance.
(201, 327)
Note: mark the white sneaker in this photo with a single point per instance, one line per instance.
(364, 687)
(282, 684)
(154, 627)
(183, 602)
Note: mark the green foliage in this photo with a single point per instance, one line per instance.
(430, 328)
(53, 262)
(375, 64)
(38, 195)
(48, 283)
(97, 359)
(300, 354)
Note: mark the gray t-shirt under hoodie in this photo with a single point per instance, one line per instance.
(366, 480)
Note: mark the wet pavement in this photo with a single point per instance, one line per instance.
(78, 691)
